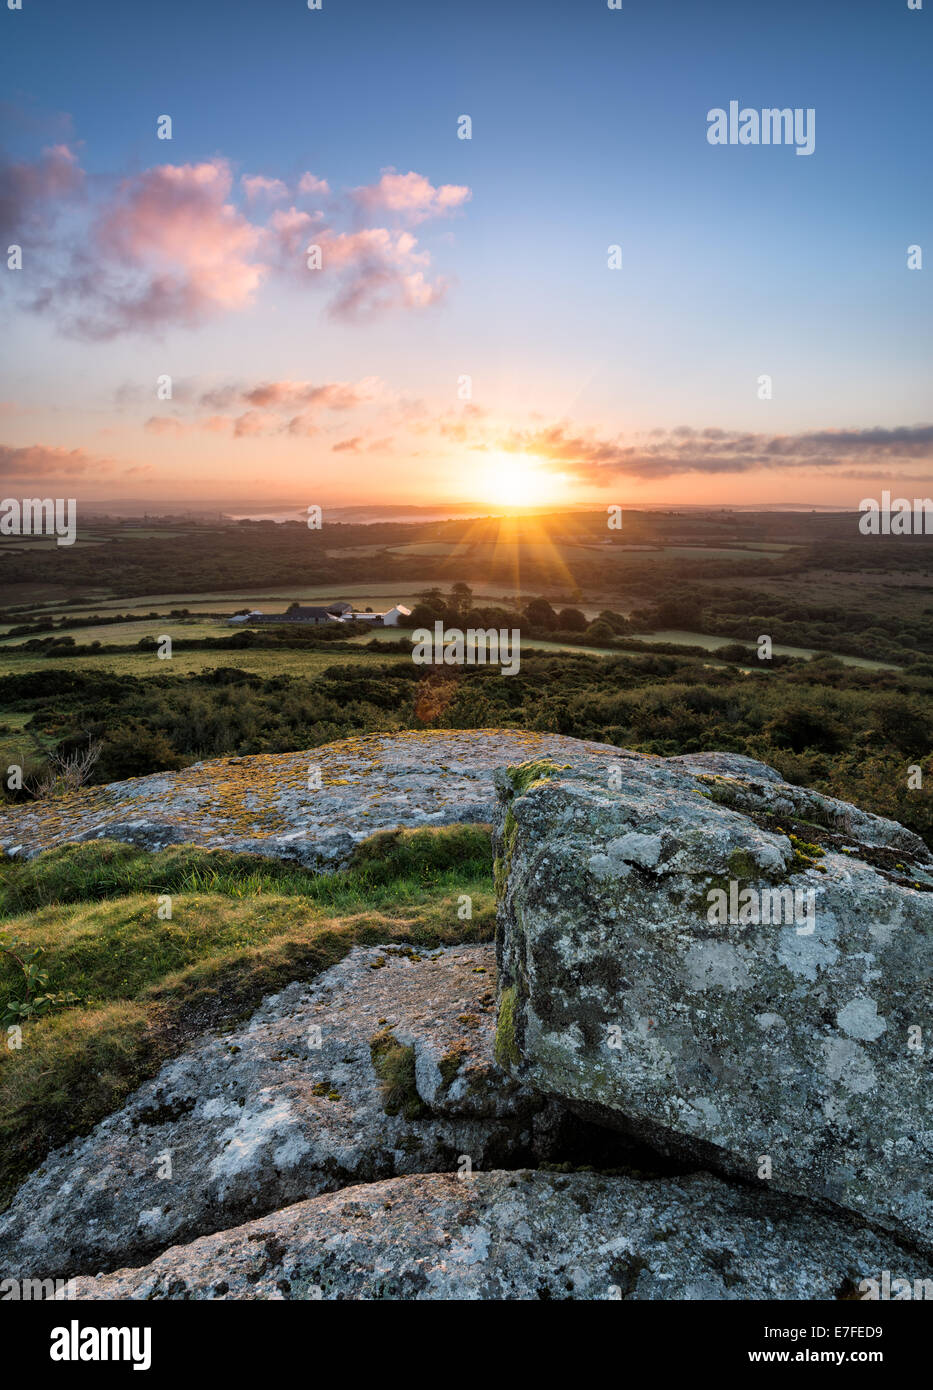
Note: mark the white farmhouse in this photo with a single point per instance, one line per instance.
(394, 618)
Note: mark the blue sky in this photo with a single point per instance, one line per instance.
(589, 128)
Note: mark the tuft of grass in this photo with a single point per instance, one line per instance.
(424, 856)
(524, 776)
(395, 1066)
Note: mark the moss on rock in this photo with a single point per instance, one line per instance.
(524, 776)
(507, 1053)
(450, 1064)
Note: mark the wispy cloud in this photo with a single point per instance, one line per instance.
(668, 453)
(310, 184)
(35, 463)
(257, 186)
(29, 190)
(265, 408)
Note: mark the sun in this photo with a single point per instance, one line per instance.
(518, 480)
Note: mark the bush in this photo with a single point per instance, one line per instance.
(135, 751)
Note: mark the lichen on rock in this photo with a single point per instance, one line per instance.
(765, 1047)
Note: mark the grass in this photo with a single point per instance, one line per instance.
(269, 598)
(266, 662)
(127, 634)
(13, 739)
(241, 927)
(391, 867)
(709, 642)
(394, 1064)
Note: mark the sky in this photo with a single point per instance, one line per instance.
(759, 336)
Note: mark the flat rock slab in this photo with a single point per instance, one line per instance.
(525, 1235)
(792, 1046)
(265, 804)
(286, 1107)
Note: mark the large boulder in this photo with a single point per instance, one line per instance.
(641, 979)
(383, 1065)
(528, 1235)
(312, 807)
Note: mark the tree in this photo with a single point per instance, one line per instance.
(571, 620)
(540, 614)
(683, 612)
(424, 615)
(462, 597)
(600, 632)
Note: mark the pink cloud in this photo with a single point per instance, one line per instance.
(174, 224)
(287, 395)
(270, 406)
(256, 422)
(33, 462)
(287, 233)
(310, 184)
(257, 186)
(170, 246)
(383, 271)
(332, 395)
(302, 425)
(411, 195)
(164, 424)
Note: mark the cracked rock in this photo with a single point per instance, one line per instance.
(525, 1235)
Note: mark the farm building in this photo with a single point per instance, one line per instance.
(338, 612)
(395, 617)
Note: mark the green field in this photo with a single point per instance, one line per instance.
(569, 551)
(538, 644)
(265, 663)
(268, 600)
(309, 663)
(128, 634)
(675, 635)
(710, 642)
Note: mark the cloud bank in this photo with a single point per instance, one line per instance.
(587, 457)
